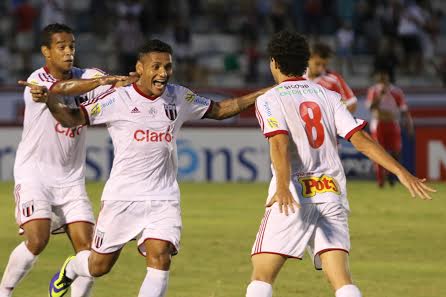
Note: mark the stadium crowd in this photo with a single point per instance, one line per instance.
(224, 41)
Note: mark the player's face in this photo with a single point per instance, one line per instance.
(317, 65)
(155, 69)
(60, 54)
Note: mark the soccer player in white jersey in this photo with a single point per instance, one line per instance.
(49, 166)
(141, 199)
(307, 203)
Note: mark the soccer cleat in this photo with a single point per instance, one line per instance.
(60, 283)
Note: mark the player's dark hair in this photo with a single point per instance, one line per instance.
(290, 51)
(51, 29)
(322, 50)
(154, 45)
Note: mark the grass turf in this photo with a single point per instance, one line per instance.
(398, 246)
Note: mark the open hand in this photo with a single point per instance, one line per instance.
(416, 186)
(285, 200)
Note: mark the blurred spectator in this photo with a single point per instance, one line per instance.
(410, 29)
(387, 105)
(129, 39)
(344, 44)
(53, 11)
(312, 16)
(24, 16)
(252, 58)
(183, 50)
(279, 14)
(386, 58)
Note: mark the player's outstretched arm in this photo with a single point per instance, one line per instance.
(280, 159)
(66, 116)
(233, 106)
(375, 152)
(74, 87)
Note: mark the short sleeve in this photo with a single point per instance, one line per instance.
(370, 97)
(42, 79)
(270, 116)
(347, 94)
(102, 109)
(195, 106)
(346, 124)
(399, 99)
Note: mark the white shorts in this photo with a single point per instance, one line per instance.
(122, 221)
(62, 206)
(318, 227)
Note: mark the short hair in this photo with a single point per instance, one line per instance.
(154, 45)
(51, 29)
(322, 50)
(291, 52)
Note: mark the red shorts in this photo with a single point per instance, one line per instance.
(388, 134)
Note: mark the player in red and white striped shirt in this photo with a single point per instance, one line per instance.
(317, 72)
(388, 107)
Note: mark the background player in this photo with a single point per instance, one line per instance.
(319, 73)
(58, 201)
(387, 106)
(307, 203)
(142, 194)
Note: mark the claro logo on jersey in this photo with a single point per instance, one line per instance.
(70, 132)
(316, 185)
(152, 136)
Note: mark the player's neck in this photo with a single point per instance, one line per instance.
(282, 78)
(56, 73)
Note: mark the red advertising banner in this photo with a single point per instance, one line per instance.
(431, 152)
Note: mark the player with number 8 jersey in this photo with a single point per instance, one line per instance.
(312, 116)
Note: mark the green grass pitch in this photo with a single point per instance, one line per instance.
(398, 246)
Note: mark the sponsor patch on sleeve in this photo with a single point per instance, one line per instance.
(312, 185)
(95, 110)
(273, 123)
(190, 96)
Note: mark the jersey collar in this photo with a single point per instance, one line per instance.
(296, 78)
(138, 90)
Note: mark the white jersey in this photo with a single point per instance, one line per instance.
(49, 153)
(312, 116)
(144, 131)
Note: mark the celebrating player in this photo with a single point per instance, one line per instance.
(49, 167)
(318, 73)
(307, 203)
(387, 105)
(141, 199)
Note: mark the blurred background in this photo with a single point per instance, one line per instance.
(219, 51)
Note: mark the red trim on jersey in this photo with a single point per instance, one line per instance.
(354, 130)
(208, 110)
(273, 133)
(46, 69)
(138, 90)
(296, 78)
(262, 224)
(259, 117)
(273, 253)
(158, 239)
(52, 86)
(85, 112)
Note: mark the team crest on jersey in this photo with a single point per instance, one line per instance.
(312, 185)
(273, 123)
(28, 208)
(171, 111)
(99, 239)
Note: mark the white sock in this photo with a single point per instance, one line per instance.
(259, 289)
(155, 283)
(348, 291)
(79, 266)
(20, 263)
(82, 286)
